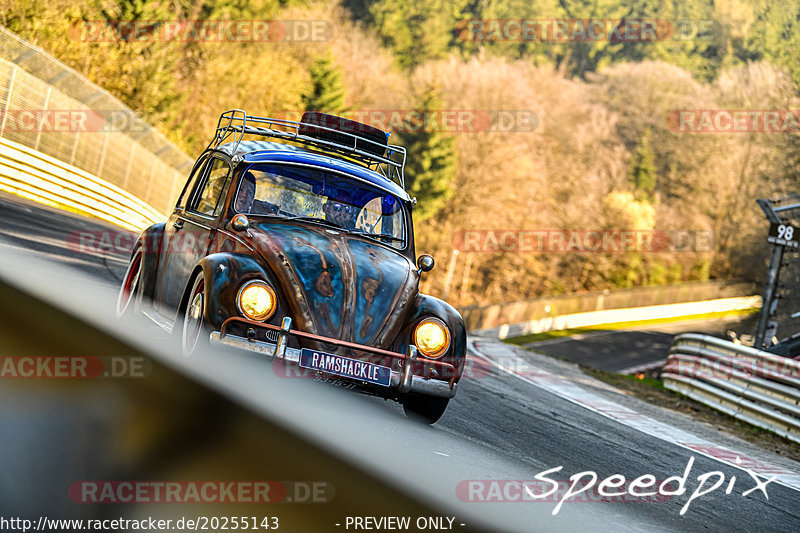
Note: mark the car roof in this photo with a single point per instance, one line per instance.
(274, 152)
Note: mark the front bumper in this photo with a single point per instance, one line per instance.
(403, 381)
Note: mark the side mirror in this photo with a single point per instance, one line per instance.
(240, 223)
(425, 263)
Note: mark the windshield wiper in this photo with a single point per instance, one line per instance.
(268, 215)
(376, 236)
(316, 221)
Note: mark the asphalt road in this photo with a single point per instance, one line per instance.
(498, 428)
(621, 350)
(92, 247)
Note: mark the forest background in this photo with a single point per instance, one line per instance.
(602, 152)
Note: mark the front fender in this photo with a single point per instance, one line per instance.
(425, 306)
(224, 274)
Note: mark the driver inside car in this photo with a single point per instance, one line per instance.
(339, 213)
(246, 202)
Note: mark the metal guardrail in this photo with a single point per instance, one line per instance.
(749, 384)
(495, 316)
(37, 176)
(608, 317)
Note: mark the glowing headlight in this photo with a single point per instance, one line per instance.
(431, 337)
(256, 300)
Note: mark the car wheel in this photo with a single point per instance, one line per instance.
(195, 332)
(427, 409)
(130, 285)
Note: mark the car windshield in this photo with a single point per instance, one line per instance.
(318, 195)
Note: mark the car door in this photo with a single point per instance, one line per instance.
(190, 230)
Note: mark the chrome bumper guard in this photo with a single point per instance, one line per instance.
(403, 382)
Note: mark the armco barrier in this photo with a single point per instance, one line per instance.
(627, 314)
(32, 174)
(749, 384)
(489, 319)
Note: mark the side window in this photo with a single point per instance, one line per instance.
(209, 199)
(186, 195)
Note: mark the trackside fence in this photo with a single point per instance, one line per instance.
(98, 137)
(749, 384)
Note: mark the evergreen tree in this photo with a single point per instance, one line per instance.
(431, 162)
(775, 36)
(642, 172)
(327, 87)
(140, 69)
(417, 31)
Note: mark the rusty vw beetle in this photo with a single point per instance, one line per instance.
(295, 240)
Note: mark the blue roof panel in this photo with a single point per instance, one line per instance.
(273, 152)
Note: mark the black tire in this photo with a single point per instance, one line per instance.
(426, 409)
(130, 286)
(365, 131)
(194, 332)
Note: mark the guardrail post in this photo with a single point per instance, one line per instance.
(41, 122)
(129, 166)
(77, 137)
(8, 99)
(103, 156)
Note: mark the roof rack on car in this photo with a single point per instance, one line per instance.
(387, 159)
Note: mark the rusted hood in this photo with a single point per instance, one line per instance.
(338, 285)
